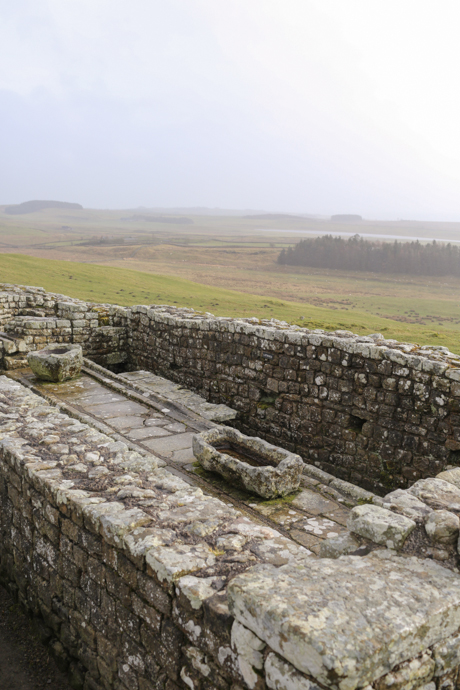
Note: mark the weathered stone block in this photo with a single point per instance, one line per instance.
(342, 623)
(272, 471)
(442, 527)
(380, 525)
(58, 363)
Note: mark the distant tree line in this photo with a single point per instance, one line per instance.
(356, 254)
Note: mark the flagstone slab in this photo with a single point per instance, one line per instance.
(124, 423)
(166, 446)
(312, 502)
(147, 432)
(116, 409)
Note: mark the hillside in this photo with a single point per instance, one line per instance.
(127, 287)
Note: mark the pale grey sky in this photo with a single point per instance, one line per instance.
(315, 106)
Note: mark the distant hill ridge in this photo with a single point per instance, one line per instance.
(178, 220)
(347, 217)
(275, 216)
(32, 206)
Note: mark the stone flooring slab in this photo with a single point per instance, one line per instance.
(125, 423)
(338, 514)
(312, 503)
(176, 428)
(166, 446)
(148, 432)
(156, 420)
(321, 527)
(184, 456)
(125, 408)
(98, 398)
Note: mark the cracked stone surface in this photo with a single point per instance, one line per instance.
(341, 621)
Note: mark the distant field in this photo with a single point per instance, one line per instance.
(227, 265)
(126, 287)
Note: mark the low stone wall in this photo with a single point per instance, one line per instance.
(105, 545)
(372, 411)
(375, 412)
(32, 318)
(143, 582)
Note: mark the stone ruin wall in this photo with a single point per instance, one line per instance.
(114, 615)
(146, 583)
(135, 594)
(375, 412)
(30, 318)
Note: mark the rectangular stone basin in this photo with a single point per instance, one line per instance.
(248, 461)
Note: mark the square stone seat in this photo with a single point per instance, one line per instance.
(348, 621)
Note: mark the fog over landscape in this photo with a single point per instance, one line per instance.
(302, 106)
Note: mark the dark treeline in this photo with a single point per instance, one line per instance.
(356, 254)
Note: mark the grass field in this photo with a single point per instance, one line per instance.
(227, 265)
(126, 287)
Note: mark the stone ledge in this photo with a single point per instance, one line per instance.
(348, 622)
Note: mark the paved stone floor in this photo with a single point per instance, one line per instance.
(166, 428)
(174, 391)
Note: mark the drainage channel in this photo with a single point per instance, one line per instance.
(150, 423)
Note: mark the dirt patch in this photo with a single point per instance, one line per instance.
(25, 662)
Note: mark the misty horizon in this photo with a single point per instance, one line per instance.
(315, 107)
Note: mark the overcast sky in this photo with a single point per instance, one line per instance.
(314, 106)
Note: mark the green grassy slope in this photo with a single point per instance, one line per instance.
(126, 287)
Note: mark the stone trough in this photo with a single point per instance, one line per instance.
(56, 362)
(258, 466)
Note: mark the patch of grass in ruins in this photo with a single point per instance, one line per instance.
(126, 287)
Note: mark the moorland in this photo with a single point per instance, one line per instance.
(227, 265)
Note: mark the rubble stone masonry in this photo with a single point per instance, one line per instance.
(143, 581)
(372, 411)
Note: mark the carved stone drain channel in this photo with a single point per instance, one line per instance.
(258, 466)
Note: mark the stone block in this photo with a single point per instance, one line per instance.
(56, 363)
(442, 527)
(437, 493)
(272, 471)
(342, 623)
(403, 502)
(380, 525)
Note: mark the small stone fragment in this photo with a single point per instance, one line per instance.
(404, 503)
(442, 527)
